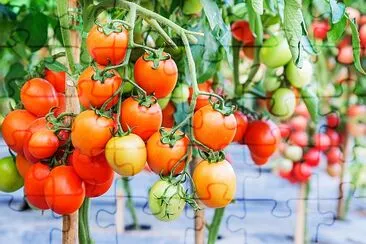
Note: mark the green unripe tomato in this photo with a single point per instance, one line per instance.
(271, 83)
(299, 77)
(192, 7)
(6, 105)
(166, 201)
(293, 153)
(10, 179)
(275, 52)
(127, 87)
(163, 102)
(282, 103)
(283, 165)
(180, 93)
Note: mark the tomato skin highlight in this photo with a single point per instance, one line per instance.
(43, 144)
(93, 170)
(215, 183)
(142, 120)
(34, 183)
(214, 129)
(162, 158)
(105, 49)
(94, 93)
(57, 79)
(160, 81)
(64, 190)
(38, 96)
(126, 155)
(14, 129)
(91, 132)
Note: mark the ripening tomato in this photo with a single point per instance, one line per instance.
(166, 200)
(202, 100)
(159, 80)
(107, 48)
(34, 183)
(302, 110)
(335, 138)
(302, 172)
(164, 158)
(22, 164)
(10, 179)
(214, 129)
(363, 35)
(293, 152)
(299, 138)
(64, 190)
(126, 154)
(241, 31)
(92, 190)
(57, 79)
(93, 170)
(91, 132)
(320, 29)
(168, 116)
(43, 144)
(353, 13)
(335, 155)
(298, 123)
(262, 138)
(285, 130)
(312, 157)
(321, 141)
(14, 129)
(38, 96)
(333, 120)
(61, 104)
(249, 50)
(275, 52)
(334, 170)
(215, 183)
(345, 55)
(242, 124)
(144, 121)
(94, 93)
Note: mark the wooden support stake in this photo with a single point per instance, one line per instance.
(120, 203)
(300, 216)
(341, 207)
(70, 222)
(199, 217)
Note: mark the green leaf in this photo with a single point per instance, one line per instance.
(356, 46)
(337, 10)
(54, 65)
(14, 80)
(32, 30)
(257, 5)
(311, 100)
(337, 30)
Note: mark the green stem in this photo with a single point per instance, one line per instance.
(236, 45)
(307, 192)
(161, 31)
(62, 7)
(130, 205)
(215, 225)
(137, 86)
(84, 232)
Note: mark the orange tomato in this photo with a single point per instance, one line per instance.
(168, 115)
(22, 164)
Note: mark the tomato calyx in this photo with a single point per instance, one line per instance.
(170, 137)
(156, 57)
(223, 108)
(113, 26)
(101, 74)
(212, 156)
(145, 100)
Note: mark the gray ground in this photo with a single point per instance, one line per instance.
(263, 213)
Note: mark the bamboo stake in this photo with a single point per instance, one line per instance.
(120, 215)
(300, 216)
(70, 222)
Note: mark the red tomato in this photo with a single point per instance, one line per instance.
(144, 121)
(285, 130)
(97, 190)
(34, 183)
(258, 160)
(61, 104)
(163, 158)
(202, 100)
(214, 129)
(22, 164)
(320, 29)
(262, 138)
(302, 172)
(321, 141)
(312, 157)
(363, 34)
(43, 144)
(37, 125)
(91, 132)
(334, 137)
(159, 81)
(14, 128)
(302, 110)
(94, 93)
(107, 49)
(168, 115)
(241, 31)
(345, 55)
(335, 156)
(298, 123)
(299, 138)
(57, 79)
(356, 110)
(333, 120)
(242, 124)
(249, 50)
(38, 96)
(92, 170)
(64, 190)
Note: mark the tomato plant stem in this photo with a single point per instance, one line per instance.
(84, 232)
(215, 225)
(130, 205)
